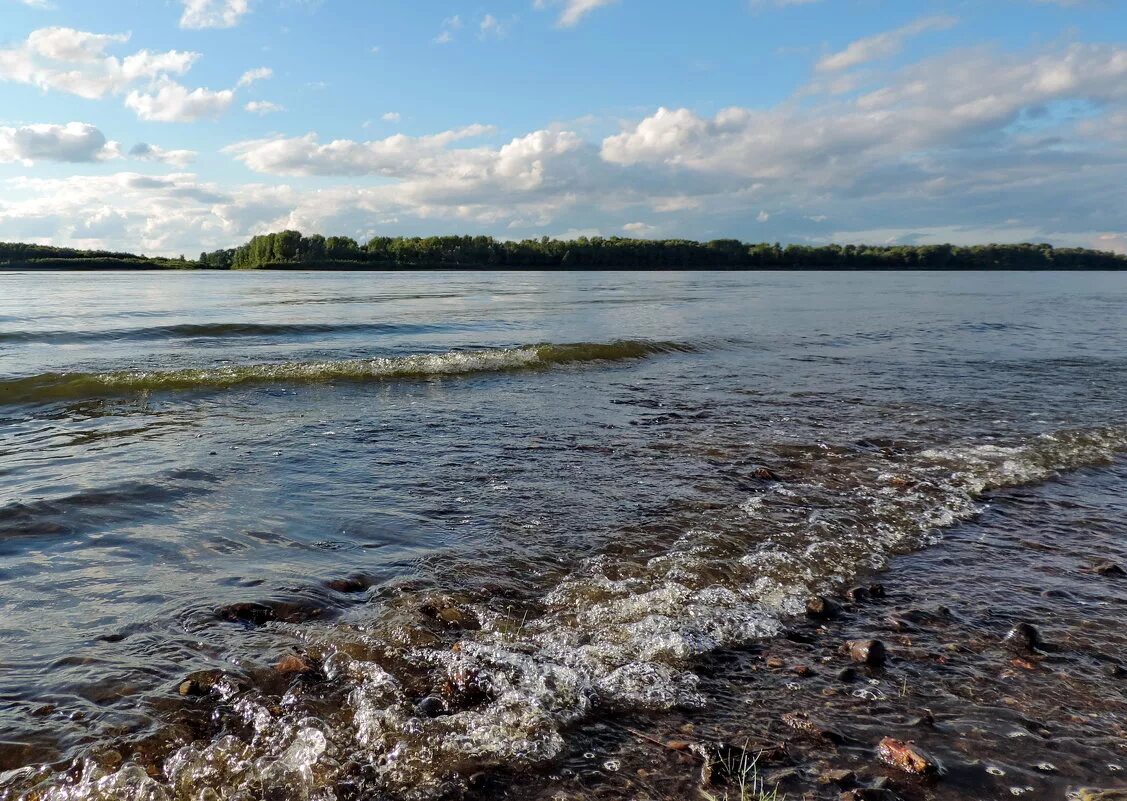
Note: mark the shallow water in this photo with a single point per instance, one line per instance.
(486, 510)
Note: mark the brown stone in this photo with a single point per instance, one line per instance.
(801, 721)
(867, 652)
(821, 608)
(293, 664)
(905, 757)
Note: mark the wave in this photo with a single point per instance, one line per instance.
(214, 331)
(49, 387)
(619, 633)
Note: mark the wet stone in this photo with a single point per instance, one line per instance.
(432, 707)
(906, 757)
(1094, 794)
(868, 794)
(867, 652)
(847, 674)
(294, 664)
(821, 608)
(803, 722)
(199, 684)
(842, 778)
(1106, 567)
(1023, 637)
(858, 594)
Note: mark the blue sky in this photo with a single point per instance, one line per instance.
(173, 126)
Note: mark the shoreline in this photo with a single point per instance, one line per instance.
(996, 717)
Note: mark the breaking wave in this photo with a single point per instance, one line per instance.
(437, 688)
(65, 386)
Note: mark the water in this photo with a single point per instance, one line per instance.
(407, 529)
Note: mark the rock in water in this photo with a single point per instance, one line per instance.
(867, 652)
(1106, 567)
(1093, 794)
(905, 757)
(1023, 637)
(821, 608)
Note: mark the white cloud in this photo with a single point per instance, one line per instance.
(391, 116)
(72, 61)
(176, 158)
(171, 102)
(449, 26)
(73, 142)
(975, 145)
(882, 45)
(491, 26)
(213, 13)
(251, 76)
(573, 11)
(397, 155)
(263, 107)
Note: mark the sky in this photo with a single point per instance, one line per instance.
(176, 126)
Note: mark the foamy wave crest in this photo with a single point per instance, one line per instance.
(405, 712)
(67, 386)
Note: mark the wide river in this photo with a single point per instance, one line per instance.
(406, 527)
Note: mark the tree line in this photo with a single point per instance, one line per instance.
(292, 250)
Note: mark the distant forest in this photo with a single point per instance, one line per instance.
(290, 250)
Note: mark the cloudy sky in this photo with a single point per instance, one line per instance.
(174, 126)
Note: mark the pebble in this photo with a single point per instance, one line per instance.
(842, 778)
(1023, 637)
(905, 757)
(821, 608)
(293, 664)
(1106, 567)
(867, 652)
(1095, 794)
(432, 707)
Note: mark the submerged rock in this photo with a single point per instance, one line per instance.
(843, 778)
(199, 683)
(1094, 794)
(803, 722)
(905, 757)
(821, 608)
(867, 652)
(294, 663)
(1106, 567)
(1023, 637)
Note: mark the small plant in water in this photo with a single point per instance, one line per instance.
(751, 786)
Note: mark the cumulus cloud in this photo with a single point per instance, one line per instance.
(882, 45)
(76, 62)
(177, 158)
(397, 155)
(572, 12)
(74, 142)
(251, 76)
(974, 145)
(263, 107)
(213, 13)
(172, 102)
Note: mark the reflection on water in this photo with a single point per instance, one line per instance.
(392, 556)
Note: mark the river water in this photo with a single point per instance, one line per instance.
(400, 530)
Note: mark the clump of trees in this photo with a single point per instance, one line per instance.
(17, 255)
(290, 250)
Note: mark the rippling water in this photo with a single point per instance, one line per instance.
(401, 529)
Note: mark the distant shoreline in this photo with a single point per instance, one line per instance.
(292, 251)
